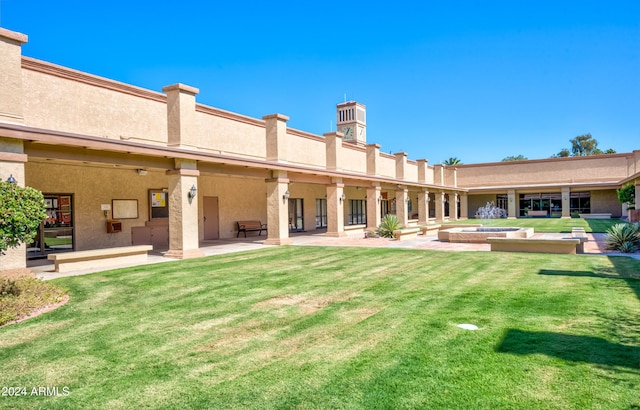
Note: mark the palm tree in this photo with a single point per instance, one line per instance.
(452, 161)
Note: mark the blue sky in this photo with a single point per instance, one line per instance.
(476, 80)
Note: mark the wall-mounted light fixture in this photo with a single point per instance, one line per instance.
(286, 195)
(427, 198)
(379, 198)
(192, 193)
(510, 199)
(342, 198)
(11, 179)
(566, 197)
(142, 172)
(407, 199)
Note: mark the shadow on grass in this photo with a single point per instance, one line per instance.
(585, 349)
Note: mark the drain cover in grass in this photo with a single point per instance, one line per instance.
(468, 326)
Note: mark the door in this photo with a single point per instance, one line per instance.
(211, 218)
(296, 215)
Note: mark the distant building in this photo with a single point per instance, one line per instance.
(122, 165)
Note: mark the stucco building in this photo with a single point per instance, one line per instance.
(121, 165)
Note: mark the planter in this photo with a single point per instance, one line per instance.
(634, 215)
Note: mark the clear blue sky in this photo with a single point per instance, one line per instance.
(476, 80)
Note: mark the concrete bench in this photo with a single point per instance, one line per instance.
(406, 233)
(68, 261)
(603, 215)
(430, 229)
(580, 234)
(537, 213)
(537, 245)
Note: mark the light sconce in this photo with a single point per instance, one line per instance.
(379, 198)
(565, 197)
(142, 172)
(286, 195)
(510, 199)
(11, 179)
(192, 193)
(407, 199)
(342, 198)
(427, 198)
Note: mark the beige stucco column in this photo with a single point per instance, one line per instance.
(566, 202)
(423, 207)
(512, 211)
(278, 209)
(402, 197)
(425, 174)
(276, 137)
(373, 206)
(439, 206)
(183, 211)
(11, 91)
(335, 208)
(181, 116)
(464, 206)
(333, 147)
(401, 165)
(438, 174)
(373, 154)
(12, 160)
(453, 206)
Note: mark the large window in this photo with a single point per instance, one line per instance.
(580, 203)
(321, 213)
(543, 204)
(357, 212)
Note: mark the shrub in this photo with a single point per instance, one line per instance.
(388, 224)
(623, 237)
(26, 295)
(21, 212)
(8, 287)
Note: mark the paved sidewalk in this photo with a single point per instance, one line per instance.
(44, 269)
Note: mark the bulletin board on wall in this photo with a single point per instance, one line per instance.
(124, 208)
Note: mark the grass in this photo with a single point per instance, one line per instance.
(328, 327)
(549, 224)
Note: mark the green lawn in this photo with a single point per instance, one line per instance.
(329, 327)
(549, 224)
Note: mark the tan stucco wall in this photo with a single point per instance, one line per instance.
(91, 187)
(606, 201)
(354, 159)
(558, 170)
(386, 166)
(411, 172)
(477, 201)
(225, 136)
(239, 199)
(55, 103)
(306, 151)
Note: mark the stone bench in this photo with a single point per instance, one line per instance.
(538, 245)
(537, 213)
(603, 215)
(69, 261)
(581, 235)
(406, 233)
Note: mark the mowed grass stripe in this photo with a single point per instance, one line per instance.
(322, 327)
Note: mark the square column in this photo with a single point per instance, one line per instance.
(373, 153)
(439, 206)
(425, 175)
(11, 90)
(333, 146)
(453, 206)
(566, 202)
(511, 212)
(464, 206)
(373, 206)
(402, 197)
(12, 160)
(183, 211)
(181, 116)
(335, 209)
(276, 137)
(423, 207)
(401, 165)
(278, 209)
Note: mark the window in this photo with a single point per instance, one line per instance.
(321, 213)
(357, 212)
(56, 233)
(580, 203)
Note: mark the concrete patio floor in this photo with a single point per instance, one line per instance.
(44, 269)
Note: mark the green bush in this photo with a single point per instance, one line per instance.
(26, 295)
(21, 212)
(623, 237)
(388, 224)
(8, 287)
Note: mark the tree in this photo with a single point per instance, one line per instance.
(584, 145)
(610, 151)
(21, 212)
(627, 194)
(515, 158)
(452, 161)
(562, 154)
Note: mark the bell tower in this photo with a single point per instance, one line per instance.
(352, 121)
